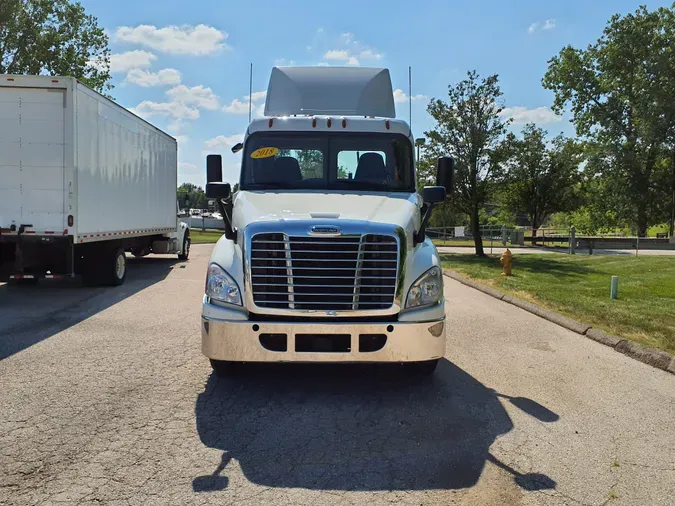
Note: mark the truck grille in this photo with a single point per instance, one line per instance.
(324, 273)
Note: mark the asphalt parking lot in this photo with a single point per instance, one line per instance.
(106, 399)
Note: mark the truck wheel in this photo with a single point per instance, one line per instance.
(118, 268)
(186, 248)
(224, 369)
(421, 369)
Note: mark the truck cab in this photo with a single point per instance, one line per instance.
(324, 258)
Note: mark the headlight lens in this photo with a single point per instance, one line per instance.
(221, 286)
(427, 290)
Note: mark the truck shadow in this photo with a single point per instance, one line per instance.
(31, 314)
(352, 428)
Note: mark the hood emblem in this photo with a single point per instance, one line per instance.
(325, 230)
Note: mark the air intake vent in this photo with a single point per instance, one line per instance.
(324, 273)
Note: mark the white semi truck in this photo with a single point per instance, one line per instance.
(325, 257)
(82, 181)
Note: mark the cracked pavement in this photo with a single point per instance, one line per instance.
(105, 398)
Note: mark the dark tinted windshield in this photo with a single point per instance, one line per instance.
(377, 162)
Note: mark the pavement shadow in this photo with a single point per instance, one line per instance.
(356, 428)
(30, 314)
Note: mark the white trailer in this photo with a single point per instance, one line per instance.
(82, 181)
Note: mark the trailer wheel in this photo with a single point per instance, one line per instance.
(185, 251)
(118, 269)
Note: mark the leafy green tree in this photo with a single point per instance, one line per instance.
(469, 128)
(620, 91)
(54, 37)
(193, 196)
(542, 180)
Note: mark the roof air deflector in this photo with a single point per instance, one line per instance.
(330, 91)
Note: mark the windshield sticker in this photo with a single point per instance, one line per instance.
(265, 152)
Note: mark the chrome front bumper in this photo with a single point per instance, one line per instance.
(237, 339)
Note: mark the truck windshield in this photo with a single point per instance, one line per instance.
(369, 162)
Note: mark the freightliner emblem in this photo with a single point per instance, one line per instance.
(325, 230)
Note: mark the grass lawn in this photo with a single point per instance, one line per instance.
(578, 286)
(207, 237)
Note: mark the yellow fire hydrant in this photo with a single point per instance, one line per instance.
(507, 261)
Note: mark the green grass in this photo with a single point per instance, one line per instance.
(206, 237)
(578, 286)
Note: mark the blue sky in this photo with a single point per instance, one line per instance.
(184, 66)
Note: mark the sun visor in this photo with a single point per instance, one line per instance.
(330, 91)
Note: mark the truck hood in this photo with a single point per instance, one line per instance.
(402, 209)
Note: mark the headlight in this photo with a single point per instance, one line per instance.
(221, 286)
(427, 290)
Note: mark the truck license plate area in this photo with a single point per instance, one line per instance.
(327, 343)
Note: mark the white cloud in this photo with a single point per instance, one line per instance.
(165, 77)
(193, 40)
(123, 62)
(198, 96)
(522, 115)
(257, 95)
(283, 62)
(401, 96)
(176, 110)
(237, 107)
(549, 24)
(351, 51)
(240, 106)
(341, 55)
(184, 104)
(191, 173)
(336, 54)
(224, 142)
(347, 38)
(369, 54)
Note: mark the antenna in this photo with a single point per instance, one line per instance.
(250, 93)
(410, 97)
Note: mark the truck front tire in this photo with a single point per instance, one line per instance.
(185, 251)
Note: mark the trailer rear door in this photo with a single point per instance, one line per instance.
(32, 158)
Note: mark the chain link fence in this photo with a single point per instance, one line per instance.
(563, 239)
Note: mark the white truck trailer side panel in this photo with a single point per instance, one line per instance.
(35, 149)
(126, 170)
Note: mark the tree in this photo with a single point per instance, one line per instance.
(192, 195)
(621, 90)
(53, 37)
(542, 180)
(470, 129)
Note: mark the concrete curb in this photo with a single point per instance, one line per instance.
(655, 358)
